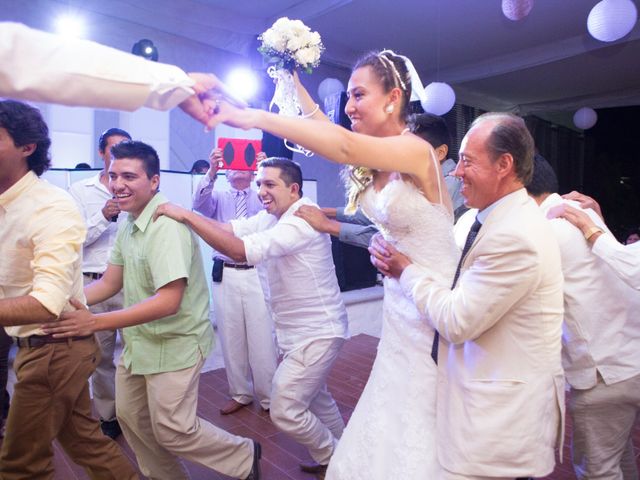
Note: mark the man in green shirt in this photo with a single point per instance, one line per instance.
(166, 330)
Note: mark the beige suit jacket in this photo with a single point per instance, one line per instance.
(501, 385)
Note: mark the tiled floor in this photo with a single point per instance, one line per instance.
(280, 454)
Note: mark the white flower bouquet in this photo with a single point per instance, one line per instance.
(290, 43)
(287, 45)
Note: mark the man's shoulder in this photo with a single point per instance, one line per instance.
(53, 197)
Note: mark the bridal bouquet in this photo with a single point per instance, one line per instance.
(289, 44)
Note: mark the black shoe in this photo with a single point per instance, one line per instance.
(110, 428)
(313, 467)
(255, 468)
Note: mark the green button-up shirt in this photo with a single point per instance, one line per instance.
(154, 254)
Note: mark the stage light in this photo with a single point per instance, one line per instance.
(146, 49)
(71, 26)
(243, 83)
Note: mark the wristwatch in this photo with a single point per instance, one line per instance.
(591, 232)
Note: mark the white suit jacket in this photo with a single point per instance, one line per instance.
(43, 67)
(500, 386)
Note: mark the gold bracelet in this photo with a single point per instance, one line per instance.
(591, 232)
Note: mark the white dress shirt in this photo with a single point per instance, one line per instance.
(601, 332)
(44, 67)
(623, 259)
(305, 299)
(91, 195)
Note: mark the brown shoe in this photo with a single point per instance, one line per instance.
(313, 467)
(232, 406)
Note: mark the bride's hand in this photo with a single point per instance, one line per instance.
(386, 258)
(225, 112)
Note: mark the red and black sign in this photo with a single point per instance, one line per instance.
(239, 154)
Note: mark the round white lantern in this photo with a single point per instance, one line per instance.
(328, 87)
(516, 9)
(440, 98)
(610, 20)
(585, 118)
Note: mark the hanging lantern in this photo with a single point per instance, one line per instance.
(328, 87)
(585, 118)
(610, 20)
(516, 9)
(440, 98)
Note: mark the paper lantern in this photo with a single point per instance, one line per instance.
(585, 118)
(440, 98)
(328, 87)
(610, 20)
(516, 9)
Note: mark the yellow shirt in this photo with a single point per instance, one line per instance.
(41, 236)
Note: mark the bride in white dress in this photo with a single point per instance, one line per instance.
(396, 179)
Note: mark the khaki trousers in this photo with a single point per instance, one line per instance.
(603, 420)
(51, 401)
(157, 414)
(245, 330)
(301, 405)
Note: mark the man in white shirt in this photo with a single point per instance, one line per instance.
(307, 309)
(239, 305)
(100, 213)
(601, 344)
(623, 259)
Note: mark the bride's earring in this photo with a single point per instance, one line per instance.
(389, 108)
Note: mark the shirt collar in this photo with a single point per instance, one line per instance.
(143, 220)
(483, 214)
(96, 183)
(448, 166)
(295, 205)
(18, 188)
(552, 200)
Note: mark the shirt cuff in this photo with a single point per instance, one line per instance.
(170, 87)
(52, 305)
(409, 278)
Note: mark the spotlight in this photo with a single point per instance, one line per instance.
(70, 26)
(243, 83)
(145, 49)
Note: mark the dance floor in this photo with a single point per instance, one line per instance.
(280, 454)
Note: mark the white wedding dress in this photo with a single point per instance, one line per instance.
(391, 434)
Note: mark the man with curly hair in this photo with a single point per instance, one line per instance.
(41, 236)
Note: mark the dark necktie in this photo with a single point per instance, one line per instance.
(473, 233)
(241, 204)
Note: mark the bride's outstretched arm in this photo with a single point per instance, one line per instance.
(310, 109)
(399, 153)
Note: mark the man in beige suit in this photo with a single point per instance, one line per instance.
(501, 385)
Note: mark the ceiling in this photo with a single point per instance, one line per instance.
(544, 64)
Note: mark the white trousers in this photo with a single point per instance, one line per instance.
(245, 329)
(157, 414)
(301, 405)
(103, 380)
(603, 420)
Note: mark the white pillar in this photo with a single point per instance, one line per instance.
(71, 132)
(149, 126)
